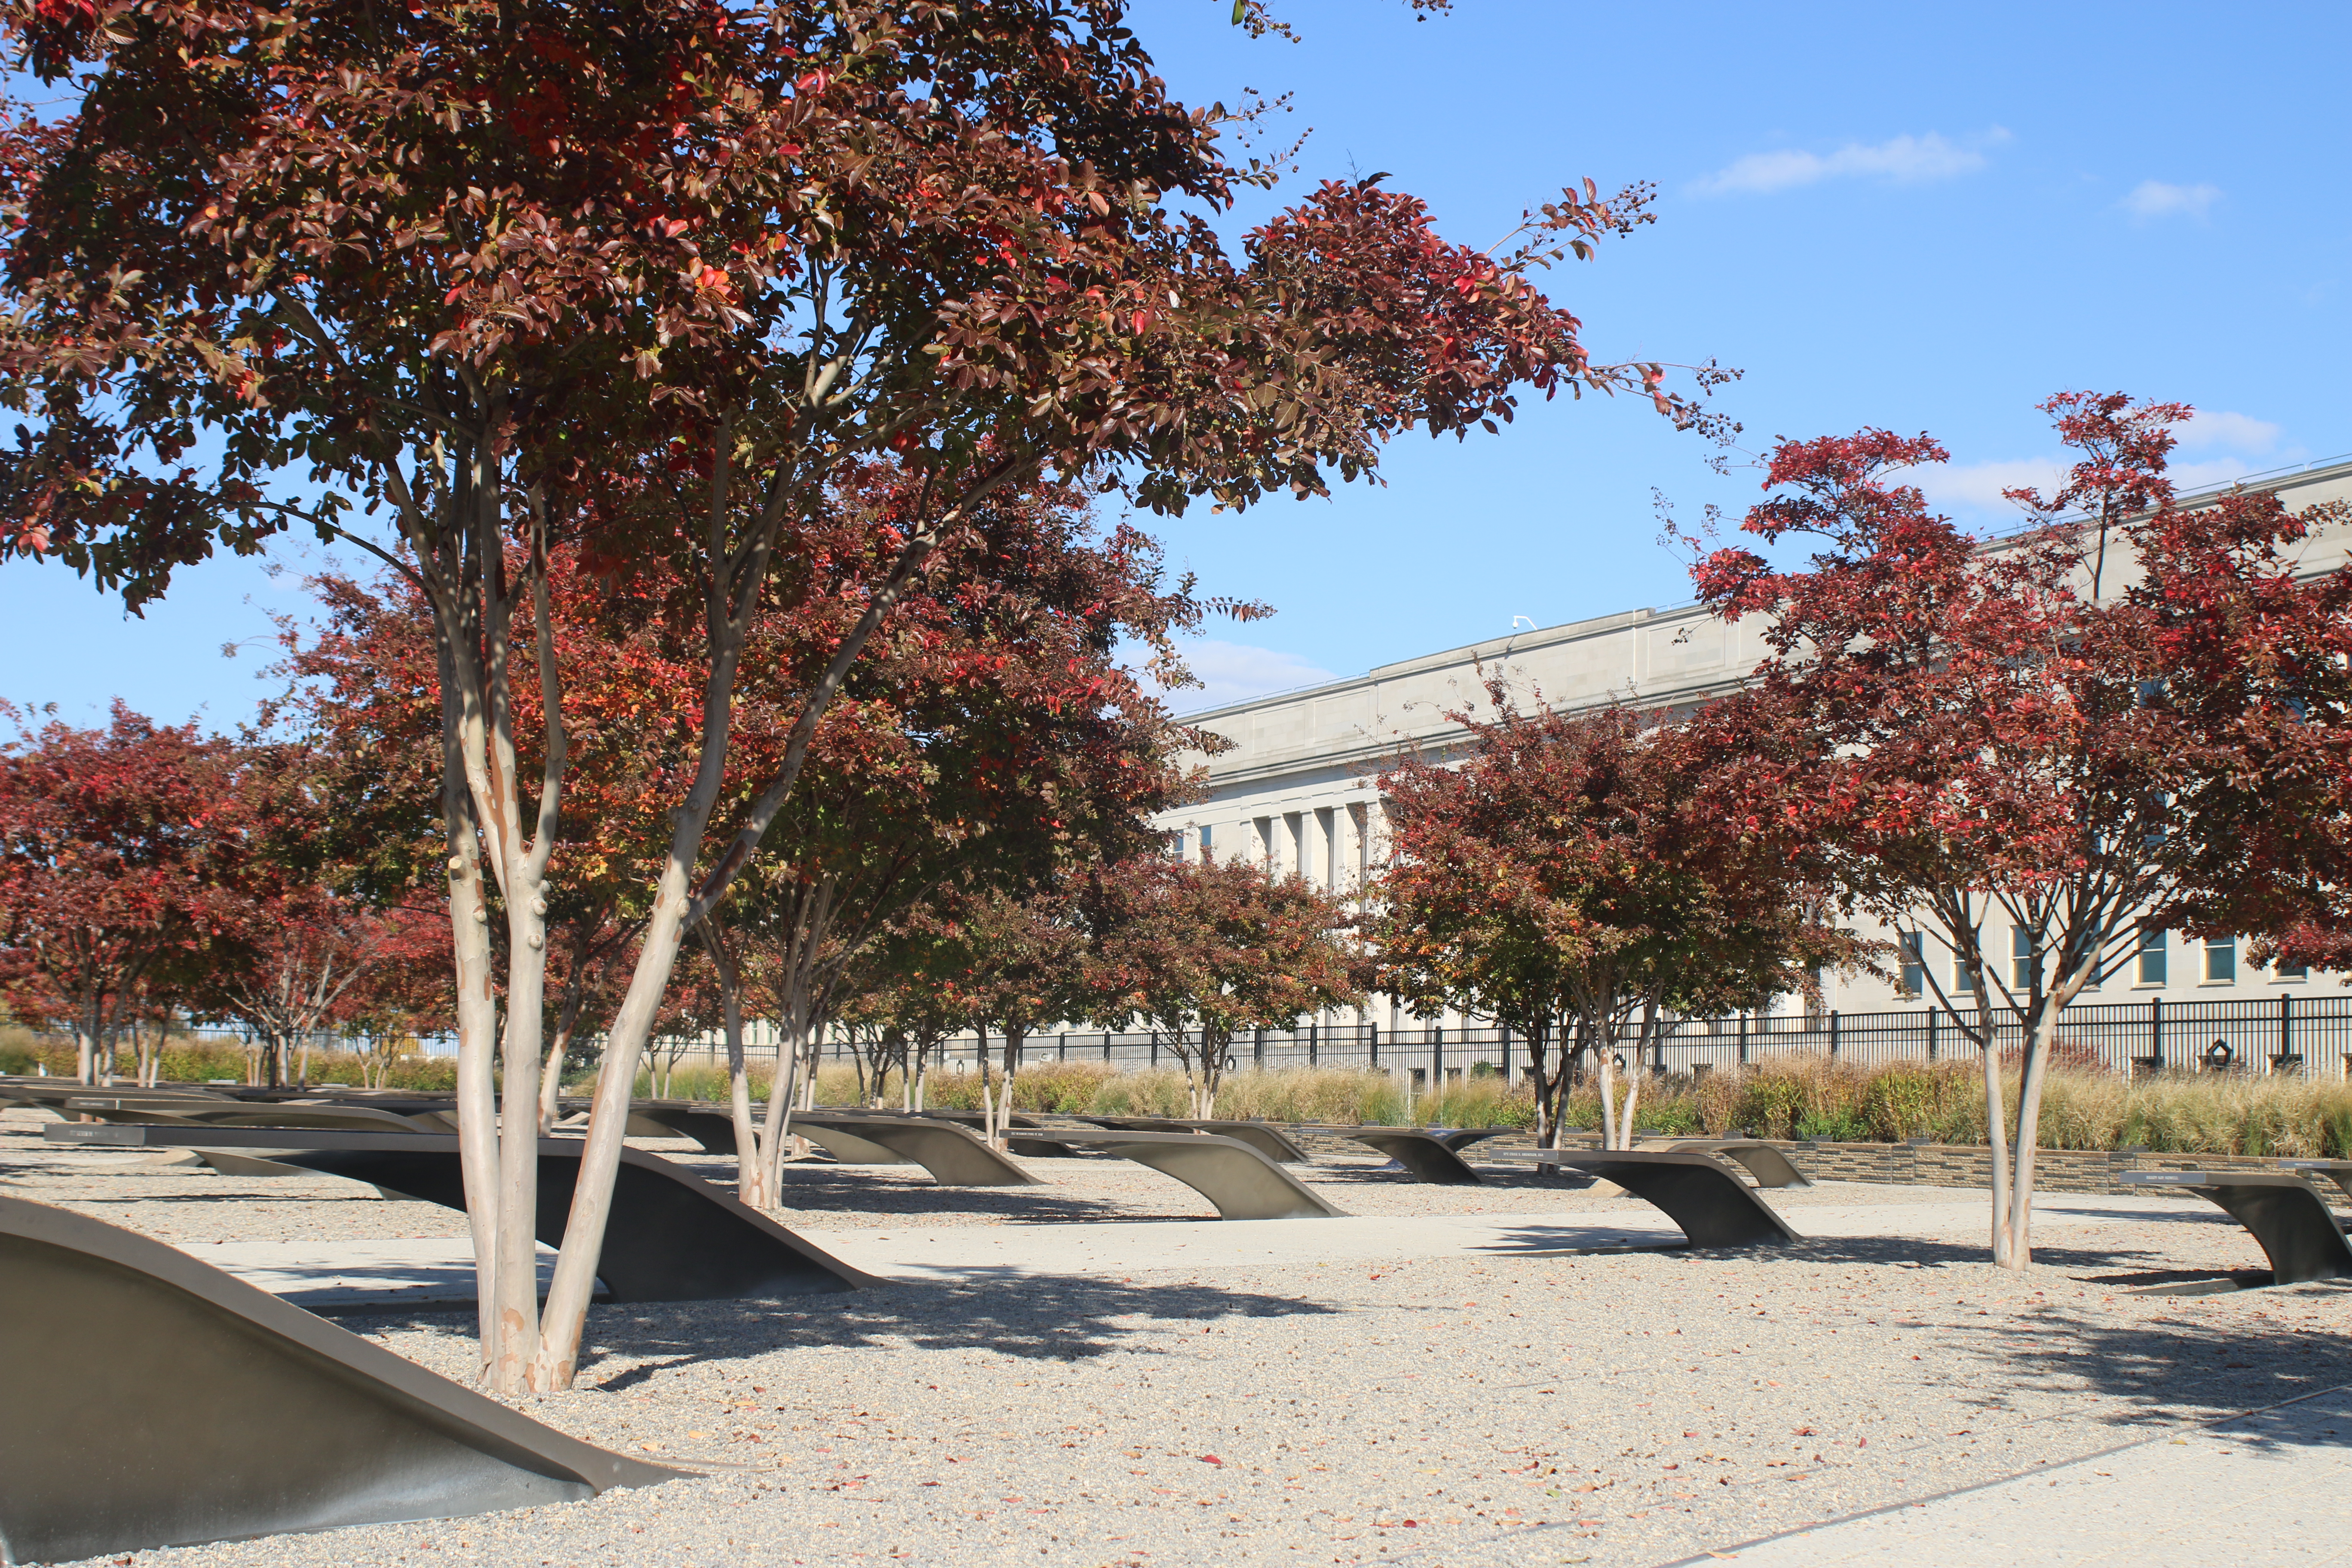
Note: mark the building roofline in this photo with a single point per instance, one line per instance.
(1568, 631)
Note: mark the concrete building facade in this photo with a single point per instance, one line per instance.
(1296, 791)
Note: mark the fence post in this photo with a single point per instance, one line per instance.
(1833, 1033)
(2155, 1031)
(1155, 1048)
(1062, 1048)
(1106, 1048)
(1258, 1049)
(1314, 1040)
(1436, 1058)
(1375, 1028)
(1507, 1055)
(1933, 1016)
(1743, 1039)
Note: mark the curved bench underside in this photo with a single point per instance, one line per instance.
(1771, 1167)
(173, 1403)
(954, 1157)
(1426, 1156)
(1270, 1142)
(1234, 1176)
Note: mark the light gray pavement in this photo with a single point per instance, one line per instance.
(2271, 1490)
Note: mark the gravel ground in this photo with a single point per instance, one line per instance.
(1622, 1409)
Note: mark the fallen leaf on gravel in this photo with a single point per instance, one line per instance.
(1211, 1459)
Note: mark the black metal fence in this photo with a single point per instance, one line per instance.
(2310, 1037)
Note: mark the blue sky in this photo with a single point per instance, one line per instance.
(1925, 218)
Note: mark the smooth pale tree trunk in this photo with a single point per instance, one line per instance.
(751, 1171)
(734, 577)
(999, 1125)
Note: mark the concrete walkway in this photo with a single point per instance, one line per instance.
(2270, 1489)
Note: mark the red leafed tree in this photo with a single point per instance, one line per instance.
(1994, 746)
(1020, 960)
(645, 280)
(312, 914)
(1197, 950)
(1584, 875)
(118, 850)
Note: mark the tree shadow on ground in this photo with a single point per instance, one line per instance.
(1044, 1318)
(2195, 1366)
(2204, 1357)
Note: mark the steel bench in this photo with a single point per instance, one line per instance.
(1428, 1153)
(2286, 1216)
(671, 1236)
(170, 1404)
(1771, 1167)
(1699, 1192)
(954, 1157)
(1267, 1140)
(1240, 1179)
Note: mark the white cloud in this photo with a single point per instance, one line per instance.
(1235, 672)
(2246, 446)
(1903, 160)
(1977, 486)
(2231, 432)
(2154, 199)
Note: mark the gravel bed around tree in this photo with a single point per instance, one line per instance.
(1616, 1409)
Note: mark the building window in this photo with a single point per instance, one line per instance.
(2220, 959)
(2151, 958)
(1964, 979)
(1915, 965)
(2021, 958)
(2291, 971)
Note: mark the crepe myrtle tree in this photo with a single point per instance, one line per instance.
(901, 988)
(121, 851)
(1994, 745)
(455, 277)
(1196, 951)
(1585, 875)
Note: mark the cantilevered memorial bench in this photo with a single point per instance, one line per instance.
(672, 1237)
(1025, 1134)
(954, 1157)
(1240, 1179)
(2287, 1217)
(327, 1116)
(1427, 1154)
(1699, 1192)
(1771, 1167)
(170, 1404)
(1268, 1140)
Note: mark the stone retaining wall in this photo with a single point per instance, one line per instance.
(1970, 1165)
(1955, 1164)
